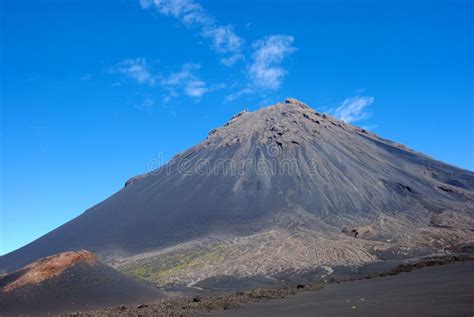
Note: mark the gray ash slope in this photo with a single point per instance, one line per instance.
(284, 177)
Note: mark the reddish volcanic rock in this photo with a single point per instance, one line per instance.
(50, 267)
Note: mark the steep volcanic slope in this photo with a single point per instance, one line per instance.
(283, 188)
(68, 282)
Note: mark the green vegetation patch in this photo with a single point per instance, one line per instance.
(161, 269)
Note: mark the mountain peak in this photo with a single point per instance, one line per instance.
(286, 123)
(294, 101)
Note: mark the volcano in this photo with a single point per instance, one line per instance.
(282, 189)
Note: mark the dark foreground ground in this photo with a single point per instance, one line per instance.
(446, 290)
(439, 286)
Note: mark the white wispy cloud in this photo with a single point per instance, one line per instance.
(185, 81)
(223, 38)
(353, 109)
(138, 69)
(146, 103)
(236, 95)
(196, 88)
(261, 63)
(266, 70)
(86, 77)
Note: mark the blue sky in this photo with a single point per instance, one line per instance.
(94, 92)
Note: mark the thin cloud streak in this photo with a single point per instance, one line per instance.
(354, 109)
(146, 104)
(184, 81)
(138, 69)
(223, 38)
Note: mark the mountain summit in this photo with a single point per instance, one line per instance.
(281, 189)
